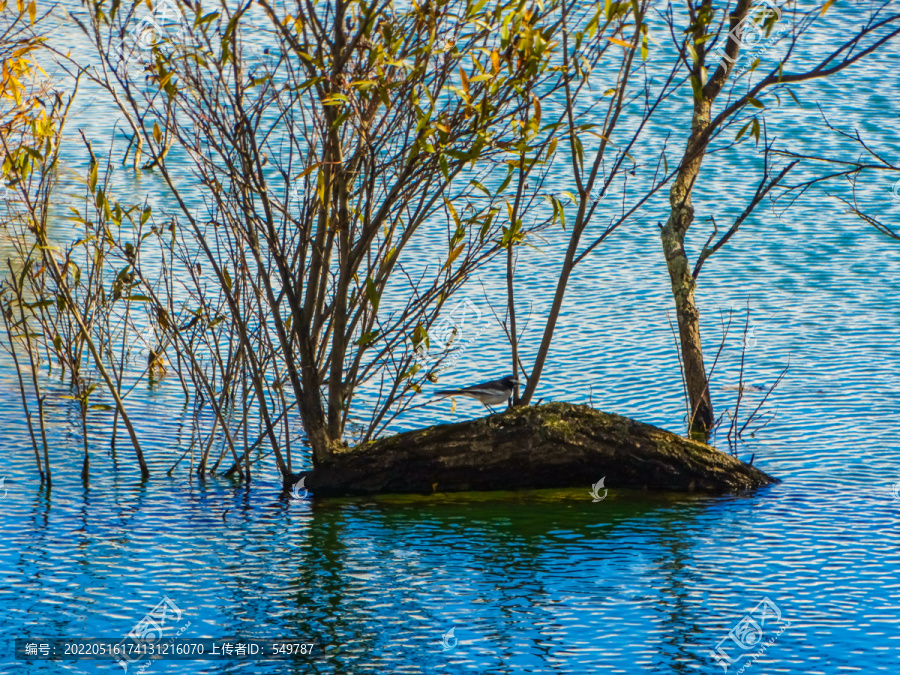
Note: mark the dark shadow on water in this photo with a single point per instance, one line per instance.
(520, 554)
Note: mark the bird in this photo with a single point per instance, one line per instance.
(489, 393)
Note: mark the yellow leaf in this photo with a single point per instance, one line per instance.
(621, 43)
(452, 211)
(32, 10)
(825, 7)
(495, 59)
(454, 254)
(552, 147)
(157, 134)
(465, 80)
(309, 170)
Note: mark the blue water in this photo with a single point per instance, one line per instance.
(537, 582)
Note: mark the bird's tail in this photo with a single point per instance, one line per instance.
(449, 392)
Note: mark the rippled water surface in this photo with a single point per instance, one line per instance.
(540, 582)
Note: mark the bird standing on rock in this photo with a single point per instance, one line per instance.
(489, 393)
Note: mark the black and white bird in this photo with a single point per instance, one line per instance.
(490, 393)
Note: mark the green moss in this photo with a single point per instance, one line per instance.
(553, 425)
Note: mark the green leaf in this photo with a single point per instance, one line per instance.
(485, 228)
(412, 371)
(228, 282)
(206, 18)
(419, 336)
(340, 120)
(456, 154)
(372, 294)
(741, 132)
(579, 151)
(691, 51)
(505, 183)
(696, 88)
(366, 338)
(480, 187)
(756, 104)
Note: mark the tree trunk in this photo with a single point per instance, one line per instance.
(682, 215)
(683, 285)
(557, 445)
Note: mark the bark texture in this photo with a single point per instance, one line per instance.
(682, 211)
(683, 283)
(550, 446)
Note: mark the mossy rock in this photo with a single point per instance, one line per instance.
(549, 446)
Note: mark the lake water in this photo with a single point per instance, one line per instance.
(536, 582)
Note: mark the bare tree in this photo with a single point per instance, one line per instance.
(717, 107)
(869, 161)
(611, 38)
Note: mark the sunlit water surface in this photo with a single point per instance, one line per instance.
(546, 581)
